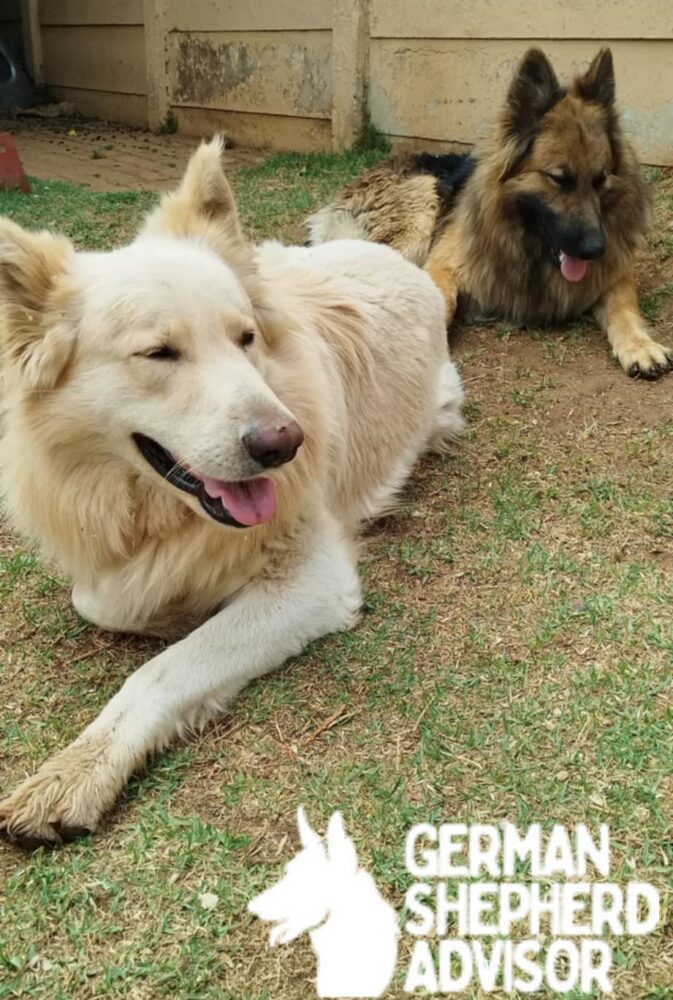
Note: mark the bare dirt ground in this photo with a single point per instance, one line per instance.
(107, 157)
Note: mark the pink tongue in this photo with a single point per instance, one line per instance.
(252, 501)
(572, 268)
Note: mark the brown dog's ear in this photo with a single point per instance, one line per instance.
(202, 206)
(598, 83)
(533, 91)
(33, 295)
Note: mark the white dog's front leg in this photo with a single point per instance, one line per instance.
(184, 686)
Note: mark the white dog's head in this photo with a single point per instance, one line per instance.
(153, 353)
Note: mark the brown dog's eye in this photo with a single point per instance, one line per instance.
(163, 353)
(561, 179)
(600, 179)
(247, 339)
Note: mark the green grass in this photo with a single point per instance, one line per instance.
(514, 662)
(274, 197)
(169, 125)
(651, 304)
(92, 220)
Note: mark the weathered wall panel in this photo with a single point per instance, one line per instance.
(284, 132)
(435, 70)
(94, 56)
(91, 12)
(130, 109)
(109, 58)
(286, 73)
(249, 15)
(449, 89)
(601, 19)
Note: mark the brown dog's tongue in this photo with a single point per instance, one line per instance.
(572, 268)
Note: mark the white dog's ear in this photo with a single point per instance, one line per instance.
(307, 835)
(203, 205)
(34, 296)
(340, 848)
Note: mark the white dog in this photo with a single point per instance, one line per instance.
(324, 892)
(194, 430)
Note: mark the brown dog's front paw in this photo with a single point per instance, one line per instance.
(648, 361)
(63, 801)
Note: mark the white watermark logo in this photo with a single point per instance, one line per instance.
(474, 923)
(324, 892)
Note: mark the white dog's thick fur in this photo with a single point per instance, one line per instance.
(191, 337)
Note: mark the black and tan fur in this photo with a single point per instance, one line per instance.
(555, 175)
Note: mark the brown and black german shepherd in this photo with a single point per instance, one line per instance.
(540, 226)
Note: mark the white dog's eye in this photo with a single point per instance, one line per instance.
(246, 339)
(162, 353)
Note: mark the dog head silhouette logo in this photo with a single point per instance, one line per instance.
(324, 893)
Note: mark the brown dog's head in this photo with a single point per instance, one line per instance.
(563, 152)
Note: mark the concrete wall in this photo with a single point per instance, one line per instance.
(260, 69)
(303, 74)
(93, 54)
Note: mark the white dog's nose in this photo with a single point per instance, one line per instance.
(272, 446)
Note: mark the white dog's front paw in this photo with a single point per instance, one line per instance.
(65, 798)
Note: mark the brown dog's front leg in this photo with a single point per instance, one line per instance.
(439, 266)
(619, 315)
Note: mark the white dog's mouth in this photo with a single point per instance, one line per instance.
(239, 504)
